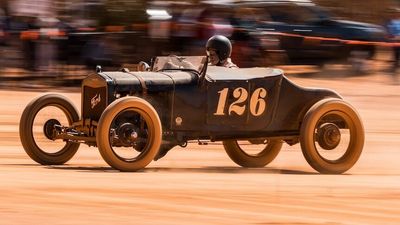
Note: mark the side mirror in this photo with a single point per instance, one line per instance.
(143, 66)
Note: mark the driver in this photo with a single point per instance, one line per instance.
(219, 49)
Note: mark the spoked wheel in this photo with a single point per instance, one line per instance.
(253, 153)
(129, 134)
(37, 129)
(332, 136)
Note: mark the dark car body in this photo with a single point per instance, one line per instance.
(181, 99)
(188, 106)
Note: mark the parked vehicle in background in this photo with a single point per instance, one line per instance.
(295, 32)
(309, 34)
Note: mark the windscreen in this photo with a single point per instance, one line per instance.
(174, 62)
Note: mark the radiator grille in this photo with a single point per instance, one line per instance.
(94, 102)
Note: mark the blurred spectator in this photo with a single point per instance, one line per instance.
(184, 32)
(247, 49)
(46, 49)
(393, 28)
(3, 26)
(29, 43)
(214, 20)
(159, 23)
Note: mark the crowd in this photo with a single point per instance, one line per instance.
(92, 33)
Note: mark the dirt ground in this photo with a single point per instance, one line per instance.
(201, 185)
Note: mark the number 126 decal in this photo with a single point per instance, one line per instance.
(257, 102)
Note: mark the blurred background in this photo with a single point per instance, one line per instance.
(65, 40)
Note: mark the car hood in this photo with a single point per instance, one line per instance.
(354, 24)
(361, 31)
(152, 81)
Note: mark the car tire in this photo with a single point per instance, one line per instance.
(153, 124)
(342, 114)
(26, 132)
(244, 159)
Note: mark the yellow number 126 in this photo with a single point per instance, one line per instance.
(257, 102)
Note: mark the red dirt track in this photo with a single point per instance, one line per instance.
(201, 185)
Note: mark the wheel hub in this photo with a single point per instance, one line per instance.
(328, 136)
(127, 134)
(258, 141)
(49, 128)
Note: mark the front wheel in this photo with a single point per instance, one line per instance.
(253, 153)
(332, 136)
(37, 129)
(129, 134)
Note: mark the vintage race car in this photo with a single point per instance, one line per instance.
(132, 116)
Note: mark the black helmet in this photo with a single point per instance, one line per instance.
(221, 45)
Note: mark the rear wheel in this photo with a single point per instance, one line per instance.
(37, 129)
(129, 134)
(253, 153)
(332, 136)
